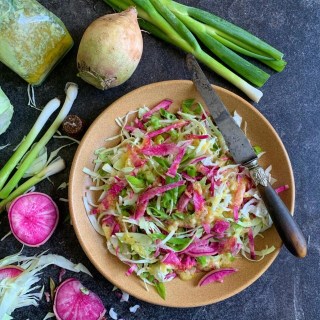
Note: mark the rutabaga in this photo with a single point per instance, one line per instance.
(110, 49)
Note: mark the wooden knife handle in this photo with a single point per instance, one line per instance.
(287, 228)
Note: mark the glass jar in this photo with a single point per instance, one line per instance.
(32, 39)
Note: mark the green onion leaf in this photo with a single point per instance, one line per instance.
(159, 139)
(186, 106)
(257, 149)
(178, 216)
(163, 162)
(161, 289)
(191, 171)
(136, 184)
(168, 115)
(152, 211)
(154, 122)
(202, 261)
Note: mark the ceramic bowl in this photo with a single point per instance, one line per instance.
(179, 293)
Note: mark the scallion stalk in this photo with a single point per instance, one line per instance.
(71, 94)
(154, 17)
(243, 67)
(53, 168)
(226, 29)
(189, 44)
(28, 141)
(183, 26)
(232, 36)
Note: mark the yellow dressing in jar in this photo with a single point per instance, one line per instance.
(32, 39)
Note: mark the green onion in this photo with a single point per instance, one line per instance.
(168, 115)
(189, 28)
(184, 23)
(159, 139)
(191, 171)
(178, 216)
(71, 92)
(186, 105)
(243, 67)
(173, 193)
(51, 169)
(29, 139)
(202, 260)
(161, 289)
(163, 162)
(136, 184)
(154, 122)
(151, 211)
(166, 201)
(190, 107)
(257, 150)
(229, 31)
(174, 134)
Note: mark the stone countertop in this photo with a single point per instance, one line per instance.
(288, 290)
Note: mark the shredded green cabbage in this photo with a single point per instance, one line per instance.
(6, 112)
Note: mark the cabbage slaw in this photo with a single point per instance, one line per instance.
(172, 201)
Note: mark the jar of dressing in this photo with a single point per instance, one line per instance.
(32, 39)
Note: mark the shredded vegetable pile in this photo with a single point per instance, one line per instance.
(173, 202)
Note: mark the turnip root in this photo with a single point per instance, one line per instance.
(110, 49)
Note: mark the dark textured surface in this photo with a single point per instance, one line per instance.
(289, 289)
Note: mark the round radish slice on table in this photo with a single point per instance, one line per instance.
(33, 218)
(10, 272)
(75, 302)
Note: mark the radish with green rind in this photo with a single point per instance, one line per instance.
(74, 301)
(33, 218)
(10, 272)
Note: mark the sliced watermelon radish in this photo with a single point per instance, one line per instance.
(10, 272)
(33, 218)
(75, 302)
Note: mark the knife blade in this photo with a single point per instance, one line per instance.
(243, 153)
(238, 144)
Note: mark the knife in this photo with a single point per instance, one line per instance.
(243, 153)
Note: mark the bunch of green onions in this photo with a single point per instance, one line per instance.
(27, 152)
(187, 27)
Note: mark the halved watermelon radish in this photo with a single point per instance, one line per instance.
(10, 272)
(75, 302)
(33, 218)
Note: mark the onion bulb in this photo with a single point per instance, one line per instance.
(110, 49)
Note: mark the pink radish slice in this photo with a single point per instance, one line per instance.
(10, 272)
(75, 302)
(33, 218)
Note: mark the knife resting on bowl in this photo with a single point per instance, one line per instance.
(243, 153)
